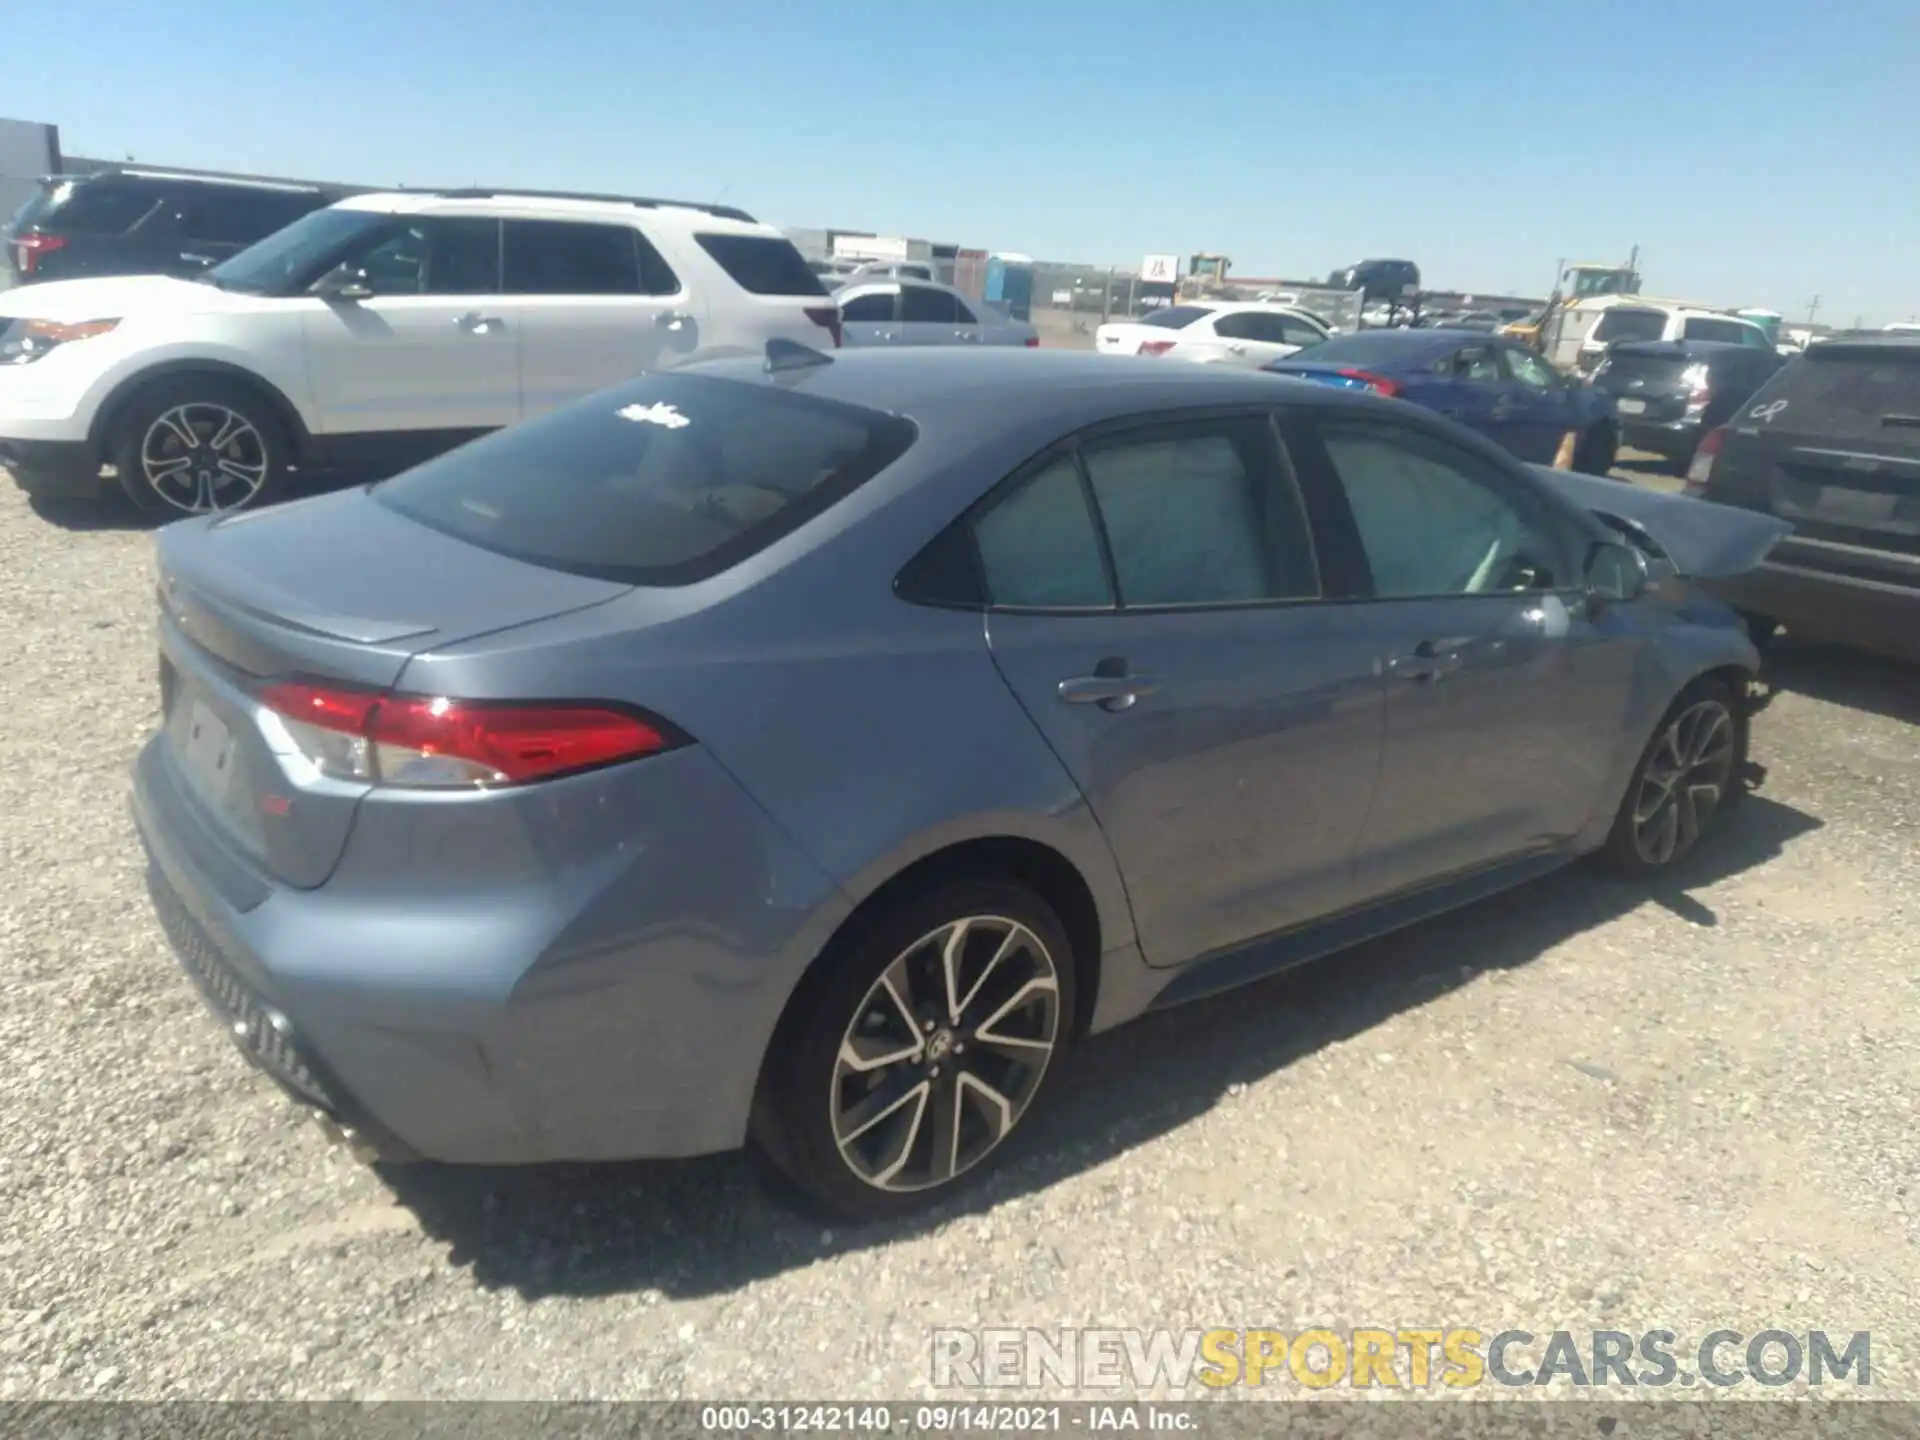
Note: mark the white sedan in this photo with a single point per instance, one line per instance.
(1247, 334)
(919, 312)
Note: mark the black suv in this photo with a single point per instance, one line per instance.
(1832, 445)
(147, 222)
(1393, 280)
(1669, 393)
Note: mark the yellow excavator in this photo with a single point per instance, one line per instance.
(1583, 284)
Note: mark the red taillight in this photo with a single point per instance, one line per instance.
(1379, 384)
(424, 742)
(1700, 470)
(1154, 347)
(1033, 342)
(33, 245)
(827, 316)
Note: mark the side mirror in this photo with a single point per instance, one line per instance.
(344, 283)
(1616, 574)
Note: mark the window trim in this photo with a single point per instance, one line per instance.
(1566, 525)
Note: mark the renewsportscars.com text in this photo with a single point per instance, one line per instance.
(1402, 1358)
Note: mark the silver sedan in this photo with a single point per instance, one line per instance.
(918, 312)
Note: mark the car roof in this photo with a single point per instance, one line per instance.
(954, 386)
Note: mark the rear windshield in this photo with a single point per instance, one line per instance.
(1175, 317)
(93, 207)
(1620, 324)
(1849, 390)
(1378, 347)
(665, 481)
(763, 264)
(1660, 365)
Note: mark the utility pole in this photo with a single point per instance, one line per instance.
(1813, 307)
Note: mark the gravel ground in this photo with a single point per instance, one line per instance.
(1580, 1106)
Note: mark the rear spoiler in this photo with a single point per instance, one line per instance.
(1704, 541)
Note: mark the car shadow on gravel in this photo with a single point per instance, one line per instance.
(91, 516)
(1851, 678)
(698, 1227)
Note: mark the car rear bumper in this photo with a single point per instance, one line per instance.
(53, 469)
(555, 1026)
(1674, 439)
(1879, 611)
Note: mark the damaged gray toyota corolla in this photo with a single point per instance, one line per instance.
(802, 755)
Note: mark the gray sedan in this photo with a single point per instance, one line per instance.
(803, 754)
(915, 312)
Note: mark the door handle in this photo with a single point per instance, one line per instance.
(1109, 692)
(1425, 665)
(1236, 349)
(966, 335)
(474, 323)
(671, 320)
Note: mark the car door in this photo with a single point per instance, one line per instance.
(1504, 695)
(428, 352)
(593, 304)
(1468, 386)
(931, 316)
(1155, 608)
(871, 317)
(1536, 407)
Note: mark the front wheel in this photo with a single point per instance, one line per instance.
(917, 1052)
(200, 445)
(1597, 451)
(1684, 780)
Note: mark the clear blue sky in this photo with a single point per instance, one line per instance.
(1759, 153)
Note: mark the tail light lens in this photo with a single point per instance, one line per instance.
(1379, 384)
(1154, 347)
(1694, 377)
(33, 247)
(1033, 342)
(1700, 471)
(418, 742)
(828, 318)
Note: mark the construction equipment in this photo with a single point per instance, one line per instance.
(1585, 284)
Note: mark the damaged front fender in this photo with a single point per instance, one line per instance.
(1702, 540)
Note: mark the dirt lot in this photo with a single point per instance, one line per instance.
(1580, 1106)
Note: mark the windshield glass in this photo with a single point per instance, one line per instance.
(293, 258)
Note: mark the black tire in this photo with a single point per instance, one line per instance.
(1673, 773)
(166, 477)
(808, 1125)
(1596, 451)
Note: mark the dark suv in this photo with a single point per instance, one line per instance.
(1669, 393)
(147, 222)
(1379, 279)
(1831, 444)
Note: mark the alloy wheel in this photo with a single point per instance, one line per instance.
(202, 458)
(945, 1053)
(1684, 782)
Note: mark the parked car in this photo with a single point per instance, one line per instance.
(147, 222)
(1832, 444)
(1489, 384)
(1639, 321)
(1246, 334)
(1669, 393)
(895, 270)
(1389, 280)
(910, 312)
(641, 780)
(374, 333)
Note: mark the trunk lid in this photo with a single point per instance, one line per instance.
(235, 615)
(1832, 444)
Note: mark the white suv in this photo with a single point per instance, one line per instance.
(376, 333)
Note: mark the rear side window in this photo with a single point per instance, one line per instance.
(563, 257)
(762, 264)
(922, 304)
(239, 217)
(666, 481)
(105, 207)
(1175, 317)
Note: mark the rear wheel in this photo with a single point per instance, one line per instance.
(199, 445)
(1685, 778)
(1597, 450)
(918, 1051)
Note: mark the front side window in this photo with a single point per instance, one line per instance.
(869, 309)
(1529, 369)
(1196, 514)
(1474, 364)
(665, 481)
(431, 255)
(107, 207)
(1434, 520)
(1039, 547)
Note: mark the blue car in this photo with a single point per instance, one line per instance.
(1502, 389)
